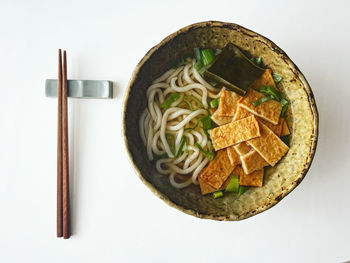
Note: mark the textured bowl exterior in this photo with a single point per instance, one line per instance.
(302, 117)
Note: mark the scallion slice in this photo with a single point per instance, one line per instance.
(186, 148)
(233, 185)
(197, 54)
(182, 144)
(258, 60)
(277, 78)
(218, 194)
(166, 104)
(242, 189)
(261, 100)
(206, 122)
(284, 103)
(208, 56)
(214, 103)
(193, 128)
(268, 90)
(199, 64)
(209, 154)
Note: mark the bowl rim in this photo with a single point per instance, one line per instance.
(296, 71)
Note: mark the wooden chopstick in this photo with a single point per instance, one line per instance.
(59, 149)
(65, 183)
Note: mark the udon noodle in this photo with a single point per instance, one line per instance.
(180, 120)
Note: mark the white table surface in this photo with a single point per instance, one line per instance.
(115, 217)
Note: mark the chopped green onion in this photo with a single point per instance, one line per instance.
(193, 98)
(206, 122)
(285, 139)
(186, 148)
(242, 189)
(268, 90)
(233, 185)
(256, 61)
(263, 89)
(208, 56)
(170, 138)
(166, 104)
(214, 103)
(199, 64)
(182, 144)
(284, 103)
(199, 67)
(209, 154)
(188, 103)
(197, 54)
(218, 194)
(273, 92)
(189, 129)
(259, 60)
(261, 100)
(277, 78)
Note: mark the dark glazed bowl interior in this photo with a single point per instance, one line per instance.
(302, 118)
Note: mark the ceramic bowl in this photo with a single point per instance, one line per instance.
(302, 118)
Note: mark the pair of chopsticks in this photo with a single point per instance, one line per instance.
(63, 224)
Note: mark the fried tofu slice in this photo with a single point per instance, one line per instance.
(207, 189)
(243, 148)
(285, 129)
(265, 79)
(228, 103)
(233, 155)
(254, 179)
(220, 120)
(269, 145)
(269, 110)
(276, 128)
(252, 161)
(234, 132)
(218, 170)
(241, 113)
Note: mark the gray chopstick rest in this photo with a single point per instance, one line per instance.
(94, 89)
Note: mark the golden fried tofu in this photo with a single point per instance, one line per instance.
(276, 128)
(228, 103)
(253, 179)
(218, 170)
(234, 132)
(252, 161)
(241, 113)
(269, 110)
(285, 129)
(269, 145)
(207, 189)
(243, 148)
(265, 79)
(233, 155)
(220, 120)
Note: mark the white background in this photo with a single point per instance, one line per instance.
(115, 217)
